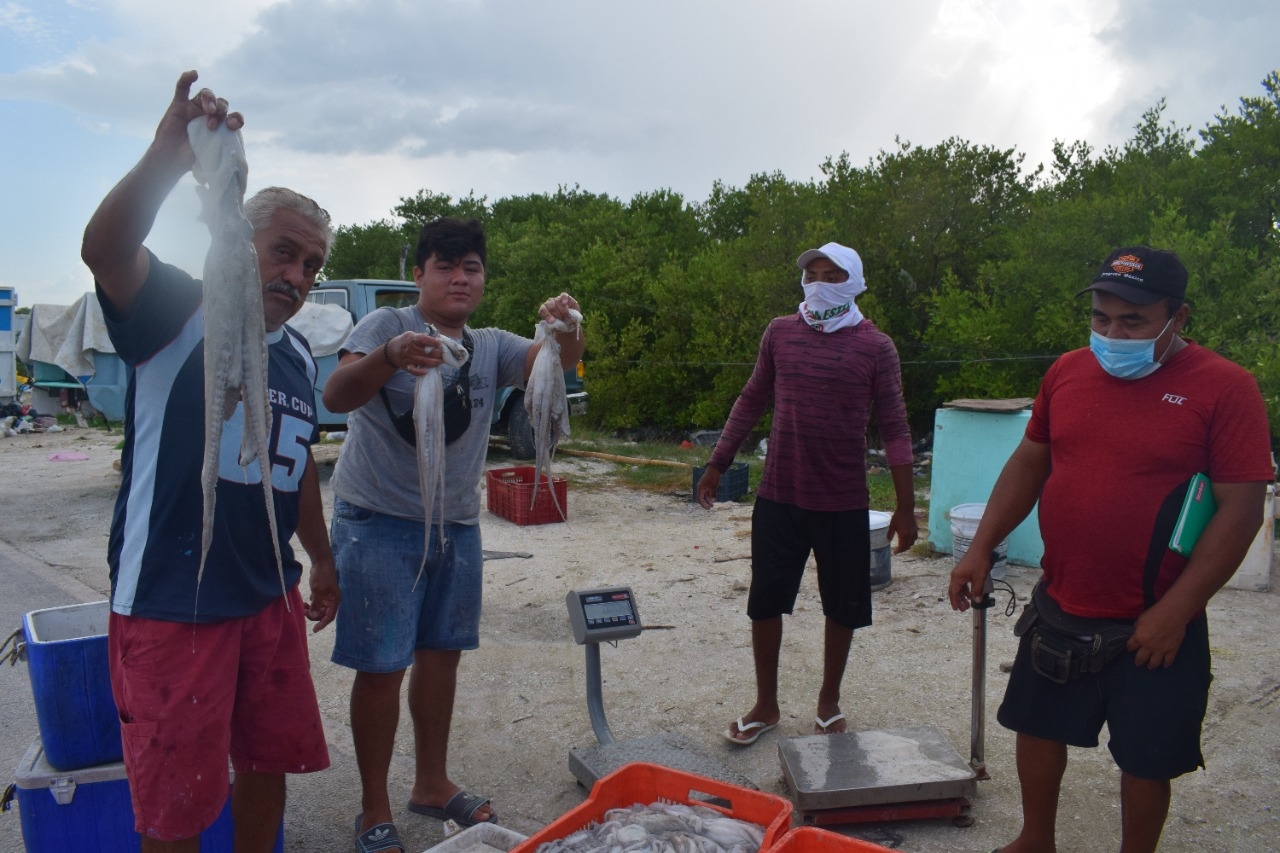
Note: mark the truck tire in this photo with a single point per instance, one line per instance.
(519, 432)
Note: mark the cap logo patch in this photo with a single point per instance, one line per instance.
(1126, 264)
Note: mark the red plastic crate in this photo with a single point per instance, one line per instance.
(646, 784)
(511, 495)
(809, 839)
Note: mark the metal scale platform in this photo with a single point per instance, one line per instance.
(892, 774)
(610, 614)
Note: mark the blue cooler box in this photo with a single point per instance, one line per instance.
(66, 649)
(90, 810)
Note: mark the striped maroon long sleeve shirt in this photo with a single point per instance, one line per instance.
(823, 388)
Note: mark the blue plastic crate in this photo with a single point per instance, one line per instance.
(90, 810)
(66, 649)
(733, 482)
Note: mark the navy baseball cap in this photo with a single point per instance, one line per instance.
(1141, 275)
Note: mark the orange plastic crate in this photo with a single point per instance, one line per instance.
(810, 839)
(646, 784)
(511, 495)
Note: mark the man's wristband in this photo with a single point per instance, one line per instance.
(387, 355)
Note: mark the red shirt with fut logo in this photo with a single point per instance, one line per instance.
(1118, 448)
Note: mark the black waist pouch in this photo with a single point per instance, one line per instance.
(456, 403)
(1064, 647)
(457, 412)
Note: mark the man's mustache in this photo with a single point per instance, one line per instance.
(279, 286)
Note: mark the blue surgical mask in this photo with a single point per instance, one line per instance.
(1127, 358)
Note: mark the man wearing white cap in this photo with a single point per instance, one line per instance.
(822, 369)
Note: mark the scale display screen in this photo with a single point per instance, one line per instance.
(597, 615)
(601, 613)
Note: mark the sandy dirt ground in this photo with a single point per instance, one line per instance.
(521, 701)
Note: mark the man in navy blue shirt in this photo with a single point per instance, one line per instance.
(230, 676)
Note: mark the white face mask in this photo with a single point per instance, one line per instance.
(828, 307)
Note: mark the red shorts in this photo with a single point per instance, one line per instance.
(190, 695)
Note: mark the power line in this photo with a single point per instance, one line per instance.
(985, 359)
(650, 363)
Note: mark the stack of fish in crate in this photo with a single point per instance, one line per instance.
(639, 801)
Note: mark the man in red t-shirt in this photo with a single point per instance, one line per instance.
(1116, 433)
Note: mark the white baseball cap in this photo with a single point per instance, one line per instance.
(842, 256)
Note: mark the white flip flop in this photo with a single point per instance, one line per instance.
(826, 724)
(757, 727)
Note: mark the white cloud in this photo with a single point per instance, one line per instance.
(360, 102)
(21, 21)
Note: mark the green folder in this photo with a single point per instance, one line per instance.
(1197, 508)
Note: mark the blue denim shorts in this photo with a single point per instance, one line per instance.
(387, 611)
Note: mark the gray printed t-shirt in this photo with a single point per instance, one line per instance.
(378, 469)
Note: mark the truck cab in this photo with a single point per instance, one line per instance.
(359, 297)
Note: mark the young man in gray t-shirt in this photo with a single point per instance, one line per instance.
(391, 618)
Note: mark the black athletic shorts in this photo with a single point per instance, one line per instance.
(783, 535)
(1153, 715)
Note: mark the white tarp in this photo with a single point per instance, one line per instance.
(324, 326)
(66, 335)
(69, 335)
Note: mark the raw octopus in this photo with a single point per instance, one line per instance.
(662, 828)
(235, 344)
(546, 401)
(428, 421)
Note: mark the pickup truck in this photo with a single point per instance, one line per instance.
(360, 296)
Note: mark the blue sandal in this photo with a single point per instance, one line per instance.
(378, 838)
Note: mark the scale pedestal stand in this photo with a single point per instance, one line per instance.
(891, 774)
(607, 615)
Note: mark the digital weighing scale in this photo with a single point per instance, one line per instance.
(606, 615)
(892, 774)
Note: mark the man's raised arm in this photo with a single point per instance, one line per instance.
(112, 245)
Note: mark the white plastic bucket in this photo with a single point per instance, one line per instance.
(881, 558)
(964, 524)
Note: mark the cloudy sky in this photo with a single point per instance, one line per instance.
(360, 102)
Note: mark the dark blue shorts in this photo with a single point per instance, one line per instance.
(782, 537)
(1153, 715)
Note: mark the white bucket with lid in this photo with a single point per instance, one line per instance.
(881, 558)
(964, 524)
